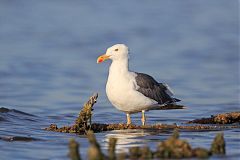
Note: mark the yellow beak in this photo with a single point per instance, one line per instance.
(102, 58)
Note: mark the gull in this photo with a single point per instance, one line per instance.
(133, 92)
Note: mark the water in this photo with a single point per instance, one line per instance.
(48, 69)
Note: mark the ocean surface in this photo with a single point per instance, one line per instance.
(48, 52)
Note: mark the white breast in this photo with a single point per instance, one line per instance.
(121, 92)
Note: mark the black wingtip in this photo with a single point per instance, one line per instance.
(176, 100)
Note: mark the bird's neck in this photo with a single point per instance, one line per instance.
(119, 67)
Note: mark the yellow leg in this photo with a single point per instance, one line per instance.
(128, 119)
(143, 117)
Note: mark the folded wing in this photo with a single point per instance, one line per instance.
(150, 88)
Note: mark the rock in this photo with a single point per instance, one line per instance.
(224, 118)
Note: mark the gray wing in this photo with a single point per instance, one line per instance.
(150, 88)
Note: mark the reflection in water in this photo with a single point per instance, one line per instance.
(136, 137)
(127, 138)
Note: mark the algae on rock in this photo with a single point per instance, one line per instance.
(73, 150)
(94, 151)
(82, 123)
(111, 148)
(171, 148)
(218, 144)
(223, 118)
(85, 115)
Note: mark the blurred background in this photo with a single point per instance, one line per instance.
(48, 49)
(48, 52)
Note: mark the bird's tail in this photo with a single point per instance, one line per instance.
(168, 106)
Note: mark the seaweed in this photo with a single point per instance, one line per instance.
(84, 119)
(218, 144)
(82, 123)
(201, 152)
(224, 118)
(73, 150)
(94, 151)
(111, 148)
(173, 147)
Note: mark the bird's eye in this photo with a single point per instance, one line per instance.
(116, 49)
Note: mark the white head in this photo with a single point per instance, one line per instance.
(116, 52)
